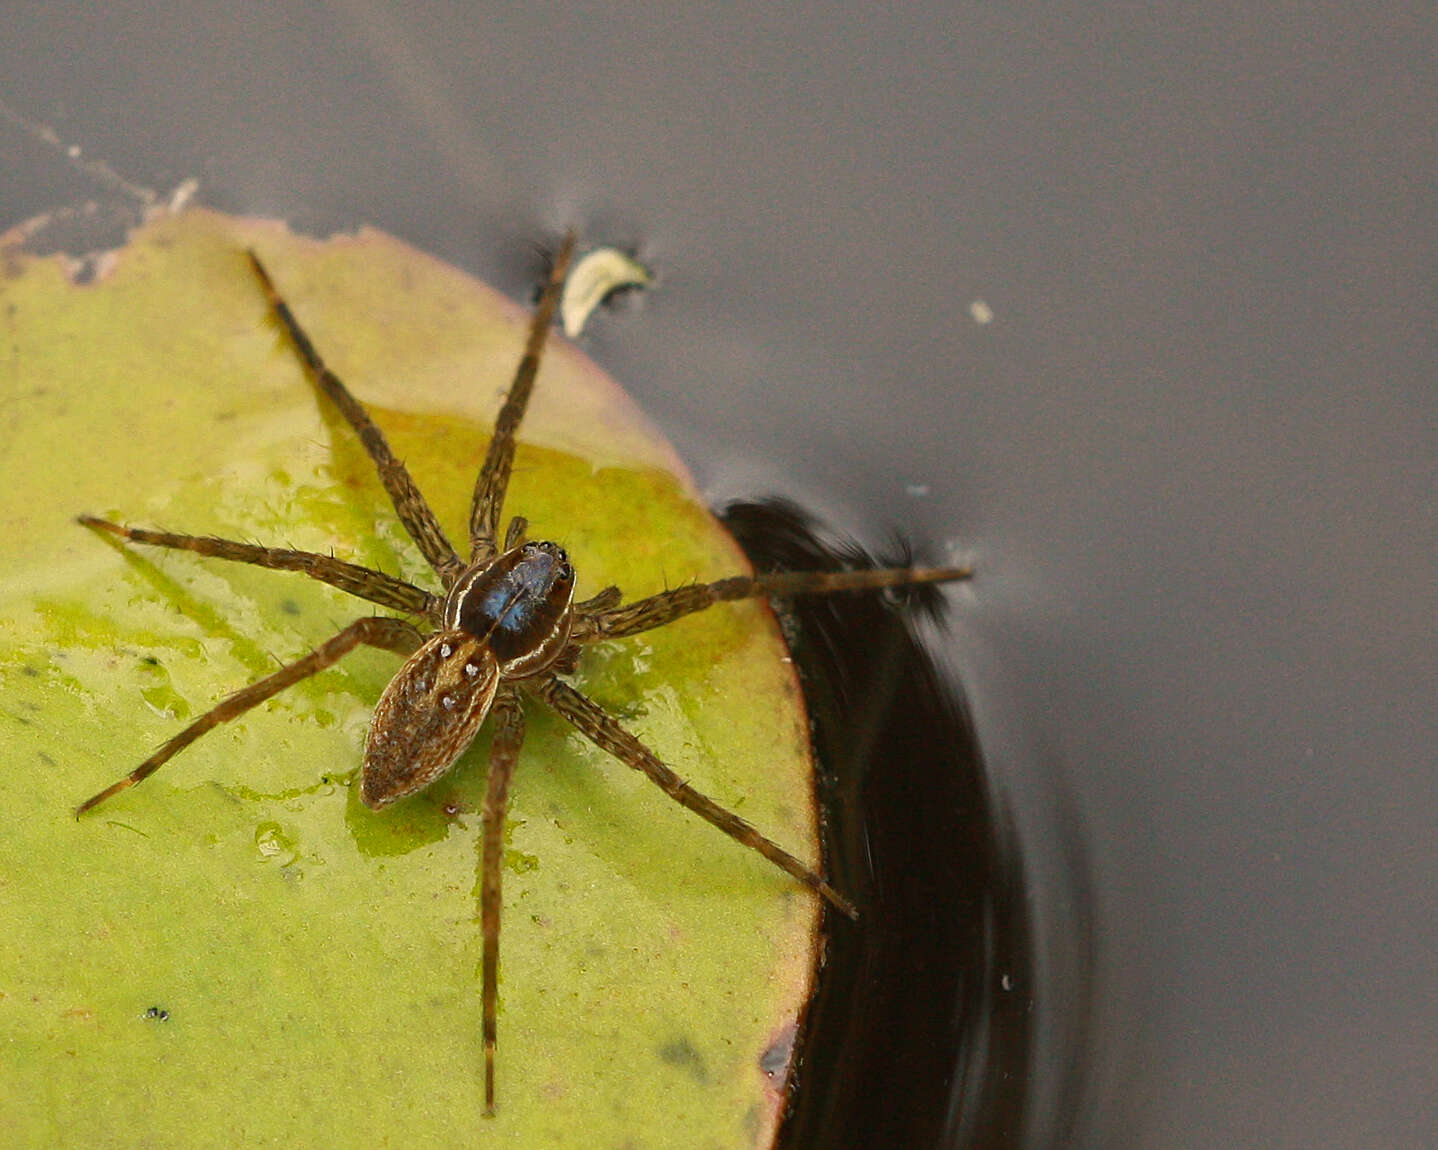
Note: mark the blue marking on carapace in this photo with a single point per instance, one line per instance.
(511, 602)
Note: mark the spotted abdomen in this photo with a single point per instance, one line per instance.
(427, 716)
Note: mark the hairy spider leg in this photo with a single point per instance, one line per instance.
(508, 714)
(409, 504)
(600, 728)
(361, 582)
(377, 631)
(493, 479)
(615, 622)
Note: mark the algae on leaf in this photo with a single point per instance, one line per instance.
(237, 952)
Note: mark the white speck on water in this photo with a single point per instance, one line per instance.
(980, 312)
(595, 277)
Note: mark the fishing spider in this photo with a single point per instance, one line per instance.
(505, 627)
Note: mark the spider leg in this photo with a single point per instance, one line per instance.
(508, 714)
(493, 479)
(389, 634)
(665, 607)
(361, 582)
(409, 504)
(602, 601)
(601, 729)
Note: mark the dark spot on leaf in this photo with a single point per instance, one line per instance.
(681, 1054)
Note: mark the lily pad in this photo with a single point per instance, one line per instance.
(237, 952)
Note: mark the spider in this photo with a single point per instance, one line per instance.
(505, 628)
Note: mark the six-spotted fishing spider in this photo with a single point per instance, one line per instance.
(506, 628)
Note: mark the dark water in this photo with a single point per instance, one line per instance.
(922, 1031)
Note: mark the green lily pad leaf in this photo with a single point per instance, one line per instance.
(237, 952)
